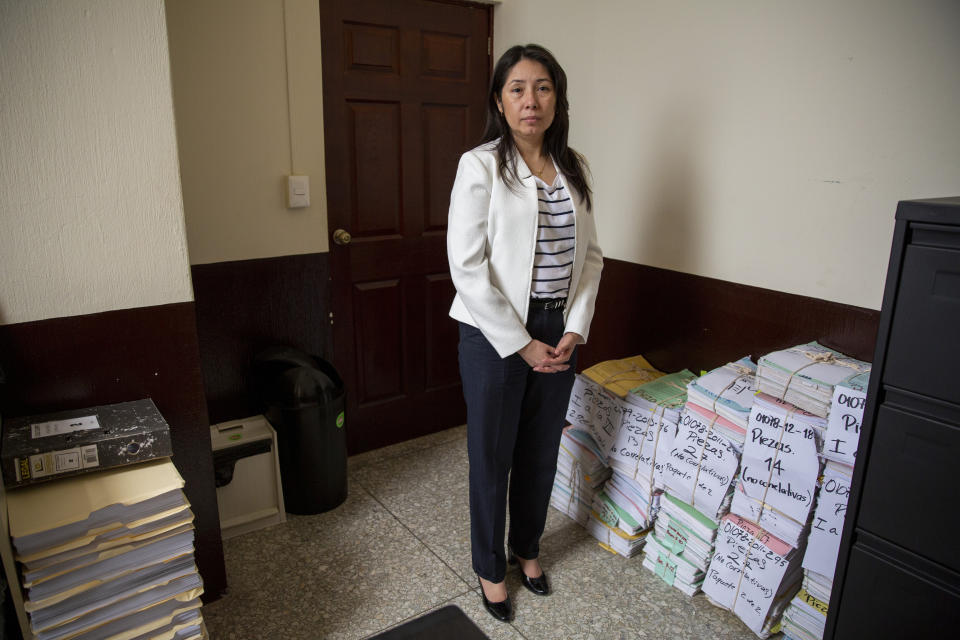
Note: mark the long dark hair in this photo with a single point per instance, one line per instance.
(571, 164)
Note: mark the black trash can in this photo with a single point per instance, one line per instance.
(303, 398)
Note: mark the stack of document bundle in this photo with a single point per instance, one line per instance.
(649, 421)
(610, 512)
(619, 519)
(727, 390)
(631, 432)
(698, 473)
(651, 414)
(779, 468)
(633, 498)
(820, 559)
(580, 471)
(703, 460)
(620, 376)
(604, 415)
(752, 573)
(595, 410)
(806, 375)
(806, 616)
(680, 548)
(108, 555)
(612, 537)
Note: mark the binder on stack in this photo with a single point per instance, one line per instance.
(65, 443)
(108, 555)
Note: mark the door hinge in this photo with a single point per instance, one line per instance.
(331, 317)
(489, 46)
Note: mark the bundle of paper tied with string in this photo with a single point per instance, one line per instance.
(806, 375)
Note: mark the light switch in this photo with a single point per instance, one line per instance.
(298, 191)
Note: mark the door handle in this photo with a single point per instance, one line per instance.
(342, 237)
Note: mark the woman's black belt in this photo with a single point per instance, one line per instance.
(547, 304)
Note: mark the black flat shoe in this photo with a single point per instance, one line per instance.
(536, 585)
(502, 611)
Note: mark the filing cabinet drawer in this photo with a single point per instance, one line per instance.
(924, 346)
(883, 599)
(910, 492)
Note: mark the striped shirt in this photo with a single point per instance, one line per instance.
(556, 237)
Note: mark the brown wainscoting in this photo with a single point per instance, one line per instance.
(245, 306)
(679, 320)
(103, 358)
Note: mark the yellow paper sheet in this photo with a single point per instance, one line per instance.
(619, 376)
(46, 506)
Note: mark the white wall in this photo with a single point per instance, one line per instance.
(91, 217)
(760, 142)
(249, 106)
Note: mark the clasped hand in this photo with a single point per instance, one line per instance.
(543, 358)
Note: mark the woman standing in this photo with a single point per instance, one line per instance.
(524, 259)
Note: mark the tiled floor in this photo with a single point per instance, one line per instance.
(400, 547)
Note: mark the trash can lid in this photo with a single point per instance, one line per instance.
(300, 387)
(284, 357)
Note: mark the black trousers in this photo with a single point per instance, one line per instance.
(514, 420)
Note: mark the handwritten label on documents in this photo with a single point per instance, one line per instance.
(635, 450)
(827, 525)
(666, 569)
(594, 409)
(843, 425)
(746, 570)
(635, 434)
(701, 463)
(668, 434)
(780, 465)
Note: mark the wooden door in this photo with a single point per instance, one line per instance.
(404, 87)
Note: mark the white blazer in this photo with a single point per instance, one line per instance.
(491, 240)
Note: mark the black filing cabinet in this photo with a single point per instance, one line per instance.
(898, 570)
